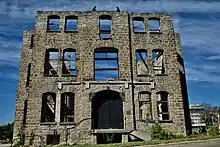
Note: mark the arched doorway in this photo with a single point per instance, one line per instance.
(107, 110)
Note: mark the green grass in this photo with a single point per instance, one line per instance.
(153, 142)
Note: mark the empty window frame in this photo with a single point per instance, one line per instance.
(154, 24)
(145, 105)
(138, 25)
(25, 111)
(71, 23)
(28, 75)
(67, 107)
(53, 23)
(69, 62)
(105, 27)
(106, 64)
(51, 62)
(48, 107)
(163, 105)
(141, 62)
(158, 61)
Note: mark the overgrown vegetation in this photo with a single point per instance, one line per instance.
(210, 114)
(6, 133)
(158, 133)
(214, 130)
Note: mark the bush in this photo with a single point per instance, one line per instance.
(157, 132)
(213, 130)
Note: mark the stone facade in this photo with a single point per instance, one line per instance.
(83, 85)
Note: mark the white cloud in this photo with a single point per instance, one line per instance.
(198, 35)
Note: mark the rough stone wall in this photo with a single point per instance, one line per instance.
(84, 41)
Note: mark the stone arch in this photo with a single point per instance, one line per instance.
(107, 110)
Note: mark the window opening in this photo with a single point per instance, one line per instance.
(141, 62)
(138, 25)
(28, 75)
(25, 112)
(145, 108)
(48, 107)
(154, 24)
(163, 106)
(53, 23)
(53, 139)
(71, 23)
(69, 62)
(51, 62)
(67, 107)
(106, 64)
(105, 23)
(158, 61)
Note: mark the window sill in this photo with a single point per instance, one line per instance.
(50, 75)
(48, 31)
(66, 75)
(147, 75)
(48, 123)
(165, 121)
(73, 31)
(67, 123)
(105, 38)
(148, 121)
(161, 75)
(156, 32)
(139, 32)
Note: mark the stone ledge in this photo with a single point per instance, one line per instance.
(97, 131)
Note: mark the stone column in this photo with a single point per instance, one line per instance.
(124, 138)
(154, 105)
(58, 106)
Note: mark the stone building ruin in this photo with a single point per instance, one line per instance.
(85, 76)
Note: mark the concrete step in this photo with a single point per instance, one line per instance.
(141, 135)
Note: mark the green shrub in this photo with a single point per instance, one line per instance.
(213, 130)
(157, 132)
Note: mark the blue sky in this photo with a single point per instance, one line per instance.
(197, 21)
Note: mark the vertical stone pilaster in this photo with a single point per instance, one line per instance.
(124, 138)
(58, 107)
(154, 105)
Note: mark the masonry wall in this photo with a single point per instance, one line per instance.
(84, 41)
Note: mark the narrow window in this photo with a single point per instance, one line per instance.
(105, 26)
(106, 64)
(28, 75)
(25, 112)
(141, 62)
(53, 23)
(138, 25)
(145, 109)
(158, 61)
(22, 139)
(71, 23)
(53, 139)
(48, 107)
(69, 62)
(163, 105)
(51, 62)
(154, 24)
(67, 107)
